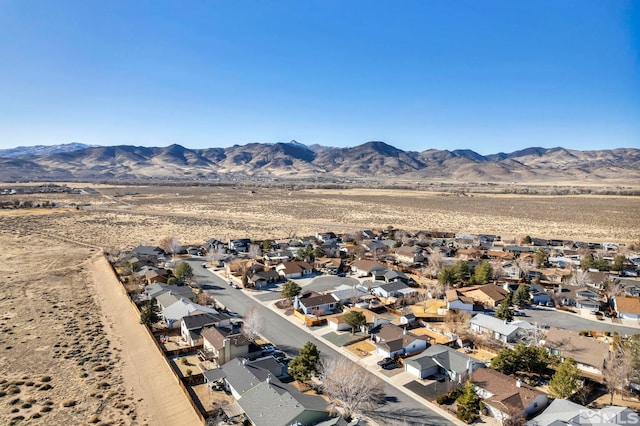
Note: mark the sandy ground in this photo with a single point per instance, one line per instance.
(146, 372)
(71, 350)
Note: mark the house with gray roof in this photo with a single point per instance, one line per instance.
(391, 340)
(393, 289)
(266, 401)
(501, 330)
(191, 326)
(154, 290)
(348, 294)
(442, 360)
(174, 312)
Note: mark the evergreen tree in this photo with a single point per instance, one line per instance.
(305, 364)
(355, 319)
(482, 273)
(504, 311)
(565, 381)
(541, 256)
(468, 404)
(522, 296)
(290, 290)
(150, 313)
(184, 272)
(447, 276)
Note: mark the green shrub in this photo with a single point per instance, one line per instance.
(607, 333)
(583, 333)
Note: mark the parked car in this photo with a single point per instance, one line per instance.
(386, 362)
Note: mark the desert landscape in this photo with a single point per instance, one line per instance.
(63, 358)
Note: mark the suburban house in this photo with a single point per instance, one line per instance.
(409, 254)
(191, 326)
(156, 275)
(538, 294)
(277, 256)
(506, 397)
(173, 313)
(154, 290)
(292, 270)
(580, 297)
(442, 360)
(224, 344)
(627, 307)
(346, 294)
(391, 340)
(328, 265)
(262, 279)
(312, 303)
(148, 253)
(501, 330)
(266, 401)
(456, 300)
(393, 289)
(391, 275)
(588, 353)
(562, 412)
(489, 294)
(364, 268)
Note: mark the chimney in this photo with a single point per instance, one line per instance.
(519, 383)
(404, 331)
(269, 379)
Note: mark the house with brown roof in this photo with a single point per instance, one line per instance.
(224, 344)
(627, 307)
(506, 397)
(364, 268)
(409, 254)
(489, 294)
(391, 340)
(291, 270)
(588, 353)
(313, 303)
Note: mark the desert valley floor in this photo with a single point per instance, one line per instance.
(60, 359)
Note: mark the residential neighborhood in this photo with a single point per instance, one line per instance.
(459, 322)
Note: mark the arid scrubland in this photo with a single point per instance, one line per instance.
(58, 364)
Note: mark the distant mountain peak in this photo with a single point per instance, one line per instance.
(42, 150)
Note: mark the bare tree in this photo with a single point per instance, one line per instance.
(253, 324)
(579, 278)
(436, 263)
(619, 368)
(497, 271)
(524, 265)
(350, 387)
(170, 244)
(433, 289)
(613, 290)
(206, 299)
(457, 322)
(254, 251)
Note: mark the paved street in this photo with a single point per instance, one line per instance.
(399, 409)
(554, 318)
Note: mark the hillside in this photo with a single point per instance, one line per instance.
(293, 160)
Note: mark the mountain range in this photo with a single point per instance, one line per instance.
(293, 160)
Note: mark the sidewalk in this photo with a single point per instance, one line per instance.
(397, 380)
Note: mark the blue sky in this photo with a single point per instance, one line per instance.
(484, 75)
